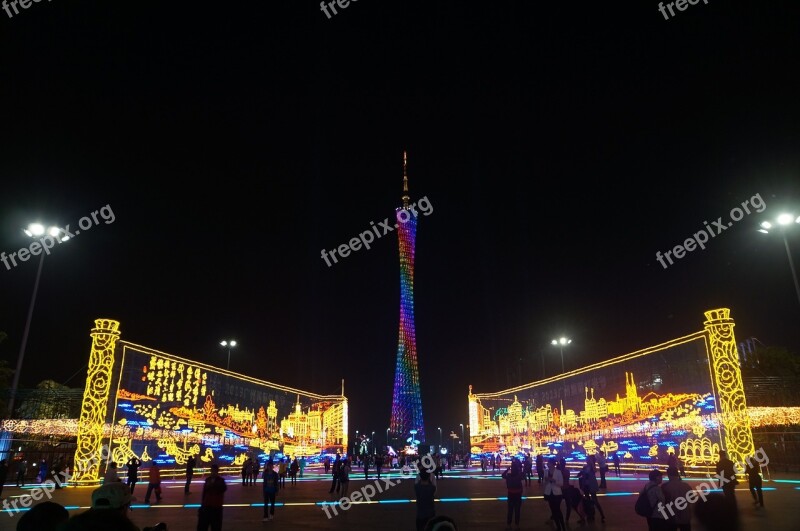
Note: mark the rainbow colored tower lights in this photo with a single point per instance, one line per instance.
(406, 399)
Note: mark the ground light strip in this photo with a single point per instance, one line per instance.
(370, 502)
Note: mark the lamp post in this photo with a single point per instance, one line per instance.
(561, 343)
(387, 437)
(440, 437)
(229, 344)
(784, 221)
(34, 230)
(374, 446)
(462, 437)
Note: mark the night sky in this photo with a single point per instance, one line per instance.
(560, 146)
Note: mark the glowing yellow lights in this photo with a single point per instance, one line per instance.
(95, 402)
(737, 437)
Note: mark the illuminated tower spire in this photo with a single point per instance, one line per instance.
(406, 399)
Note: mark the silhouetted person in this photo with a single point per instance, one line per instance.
(715, 514)
(754, 482)
(725, 466)
(45, 516)
(133, 465)
(190, 464)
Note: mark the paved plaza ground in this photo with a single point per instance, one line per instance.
(473, 499)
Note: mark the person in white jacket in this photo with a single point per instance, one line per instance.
(553, 479)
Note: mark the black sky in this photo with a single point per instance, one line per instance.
(560, 144)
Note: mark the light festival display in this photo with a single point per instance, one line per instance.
(406, 399)
(159, 407)
(684, 396)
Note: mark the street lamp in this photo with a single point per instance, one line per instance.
(462, 436)
(561, 343)
(374, 447)
(36, 231)
(785, 221)
(440, 437)
(387, 437)
(229, 344)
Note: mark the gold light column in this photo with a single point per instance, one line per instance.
(735, 432)
(88, 454)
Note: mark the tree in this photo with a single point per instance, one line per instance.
(50, 400)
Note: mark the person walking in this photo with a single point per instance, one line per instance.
(615, 459)
(190, 464)
(255, 471)
(674, 489)
(327, 464)
(3, 475)
(540, 467)
(133, 465)
(424, 490)
(724, 469)
(753, 480)
(590, 486)
(513, 477)
(246, 472)
(553, 493)
(270, 489)
(153, 483)
(213, 498)
(527, 469)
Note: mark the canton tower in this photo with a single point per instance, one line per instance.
(406, 399)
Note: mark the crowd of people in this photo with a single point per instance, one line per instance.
(111, 502)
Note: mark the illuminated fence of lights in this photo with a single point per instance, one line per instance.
(666, 422)
(761, 417)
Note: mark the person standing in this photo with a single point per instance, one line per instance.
(133, 465)
(246, 472)
(302, 464)
(365, 462)
(600, 457)
(270, 489)
(294, 468)
(213, 498)
(616, 463)
(111, 475)
(337, 463)
(590, 486)
(344, 476)
(554, 494)
(527, 469)
(540, 467)
(153, 483)
(424, 491)
(657, 521)
(190, 464)
(513, 477)
(3, 474)
(378, 465)
(725, 467)
(42, 471)
(282, 471)
(674, 489)
(754, 482)
(327, 464)
(22, 469)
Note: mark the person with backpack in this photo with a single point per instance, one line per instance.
(513, 477)
(674, 489)
(553, 493)
(650, 503)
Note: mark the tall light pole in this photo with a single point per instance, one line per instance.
(36, 231)
(785, 221)
(387, 437)
(561, 343)
(440, 437)
(374, 446)
(462, 436)
(229, 344)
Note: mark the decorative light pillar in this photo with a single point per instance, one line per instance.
(89, 453)
(735, 433)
